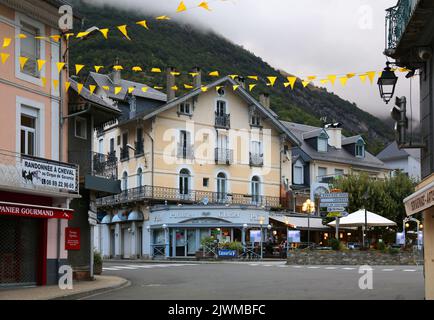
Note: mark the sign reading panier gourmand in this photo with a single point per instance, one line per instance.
(49, 174)
(32, 211)
(420, 200)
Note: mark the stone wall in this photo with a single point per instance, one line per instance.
(356, 257)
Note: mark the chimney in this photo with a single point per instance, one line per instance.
(197, 80)
(241, 81)
(116, 75)
(171, 94)
(264, 99)
(335, 133)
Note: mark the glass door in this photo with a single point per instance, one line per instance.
(191, 242)
(180, 243)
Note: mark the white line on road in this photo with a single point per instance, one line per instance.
(388, 270)
(409, 270)
(254, 264)
(110, 269)
(124, 267)
(298, 267)
(348, 268)
(331, 268)
(313, 267)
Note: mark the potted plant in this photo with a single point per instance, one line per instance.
(97, 263)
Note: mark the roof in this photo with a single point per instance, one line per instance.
(313, 133)
(241, 91)
(351, 140)
(392, 152)
(93, 98)
(103, 80)
(333, 154)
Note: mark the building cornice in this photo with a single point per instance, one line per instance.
(37, 9)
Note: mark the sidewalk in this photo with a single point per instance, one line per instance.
(183, 261)
(81, 289)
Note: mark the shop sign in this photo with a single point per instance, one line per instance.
(31, 211)
(255, 236)
(72, 238)
(49, 174)
(294, 236)
(420, 200)
(226, 253)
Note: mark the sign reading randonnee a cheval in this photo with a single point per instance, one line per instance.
(49, 174)
(420, 200)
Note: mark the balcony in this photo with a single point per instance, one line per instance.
(140, 148)
(104, 166)
(174, 196)
(222, 121)
(185, 151)
(224, 156)
(125, 153)
(329, 179)
(35, 175)
(397, 19)
(256, 159)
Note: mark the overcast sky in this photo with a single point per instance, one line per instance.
(309, 37)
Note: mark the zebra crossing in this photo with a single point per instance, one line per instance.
(146, 266)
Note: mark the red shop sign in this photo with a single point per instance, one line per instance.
(72, 238)
(32, 211)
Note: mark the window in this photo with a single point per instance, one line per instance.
(298, 173)
(221, 187)
(80, 128)
(30, 47)
(256, 189)
(221, 108)
(256, 148)
(184, 182)
(139, 177)
(255, 120)
(360, 149)
(185, 149)
(322, 144)
(125, 181)
(28, 135)
(112, 145)
(206, 182)
(221, 92)
(185, 108)
(322, 172)
(339, 172)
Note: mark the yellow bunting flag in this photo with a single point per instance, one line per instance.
(92, 88)
(97, 68)
(291, 81)
(162, 18)
(44, 81)
(123, 30)
(143, 23)
(214, 74)
(155, 70)
(118, 90)
(251, 86)
(68, 35)
(158, 88)
(6, 42)
(404, 70)
(131, 90)
(145, 89)
(363, 77)
(40, 38)
(332, 78)
(104, 32)
(78, 68)
(79, 87)
(106, 88)
(60, 66)
(305, 83)
(67, 85)
(253, 77)
(175, 73)
(204, 5)
(118, 68)
(22, 36)
(56, 83)
(272, 80)
(217, 88)
(371, 76)
(174, 88)
(343, 81)
(137, 69)
(4, 57)
(235, 87)
(181, 7)
(194, 74)
(311, 78)
(351, 75)
(324, 81)
(41, 64)
(23, 61)
(233, 76)
(56, 37)
(187, 86)
(82, 34)
(204, 89)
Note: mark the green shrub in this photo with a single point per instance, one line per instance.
(381, 246)
(393, 250)
(97, 258)
(207, 241)
(238, 246)
(335, 244)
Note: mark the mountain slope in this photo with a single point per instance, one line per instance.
(182, 46)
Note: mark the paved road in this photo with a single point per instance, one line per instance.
(260, 280)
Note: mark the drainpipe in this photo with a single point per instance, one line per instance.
(153, 158)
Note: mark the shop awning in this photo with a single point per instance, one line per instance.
(357, 219)
(33, 211)
(301, 222)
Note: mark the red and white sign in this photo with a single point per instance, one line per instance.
(72, 238)
(32, 211)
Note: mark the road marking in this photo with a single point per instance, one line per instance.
(124, 267)
(254, 264)
(331, 268)
(313, 267)
(110, 269)
(282, 266)
(409, 270)
(298, 267)
(348, 268)
(388, 270)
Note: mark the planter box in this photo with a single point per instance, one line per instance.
(97, 269)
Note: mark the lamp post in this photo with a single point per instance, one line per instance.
(406, 225)
(387, 83)
(365, 236)
(261, 222)
(309, 208)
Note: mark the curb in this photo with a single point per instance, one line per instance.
(81, 295)
(188, 261)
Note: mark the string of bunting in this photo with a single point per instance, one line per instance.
(254, 80)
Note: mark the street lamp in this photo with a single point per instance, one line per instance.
(365, 198)
(309, 208)
(387, 83)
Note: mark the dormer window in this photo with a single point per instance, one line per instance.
(323, 142)
(255, 120)
(360, 149)
(185, 108)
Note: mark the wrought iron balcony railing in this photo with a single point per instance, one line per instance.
(140, 147)
(222, 121)
(397, 19)
(185, 151)
(224, 156)
(173, 195)
(330, 179)
(125, 153)
(96, 164)
(256, 159)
